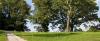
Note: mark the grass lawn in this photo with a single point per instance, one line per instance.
(47, 36)
(3, 36)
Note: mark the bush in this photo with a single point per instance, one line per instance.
(92, 29)
(79, 30)
(1, 32)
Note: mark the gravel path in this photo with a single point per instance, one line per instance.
(12, 37)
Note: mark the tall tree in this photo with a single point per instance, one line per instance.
(15, 12)
(83, 8)
(74, 9)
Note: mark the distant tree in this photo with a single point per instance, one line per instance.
(42, 13)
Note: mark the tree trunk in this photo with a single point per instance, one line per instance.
(68, 21)
(68, 28)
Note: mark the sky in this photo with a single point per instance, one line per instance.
(29, 2)
(98, 3)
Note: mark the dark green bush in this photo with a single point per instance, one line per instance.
(80, 30)
(1, 32)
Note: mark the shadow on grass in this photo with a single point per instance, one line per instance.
(51, 34)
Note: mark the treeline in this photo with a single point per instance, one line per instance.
(69, 13)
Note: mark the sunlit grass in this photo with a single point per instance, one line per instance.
(64, 36)
(3, 36)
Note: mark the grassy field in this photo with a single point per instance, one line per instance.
(3, 36)
(43, 36)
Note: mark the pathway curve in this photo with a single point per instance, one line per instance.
(12, 37)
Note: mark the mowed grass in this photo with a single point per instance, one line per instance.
(64, 36)
(3, 36)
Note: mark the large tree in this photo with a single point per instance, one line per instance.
(74, 9)
(14, 13)
(78, 7)
(81, 8)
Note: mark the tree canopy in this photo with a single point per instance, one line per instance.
(72, 9)
(13, 14)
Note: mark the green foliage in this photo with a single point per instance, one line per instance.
(79, 30)
(92, 29)
(42, 11)
(2, 32)
(17, 11)
(74, 9)
(98, 19)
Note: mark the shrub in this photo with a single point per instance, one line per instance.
(79, 30)
(1, 32)
(92, 29)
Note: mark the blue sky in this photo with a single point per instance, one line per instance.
(98, 3)
(30, 4)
